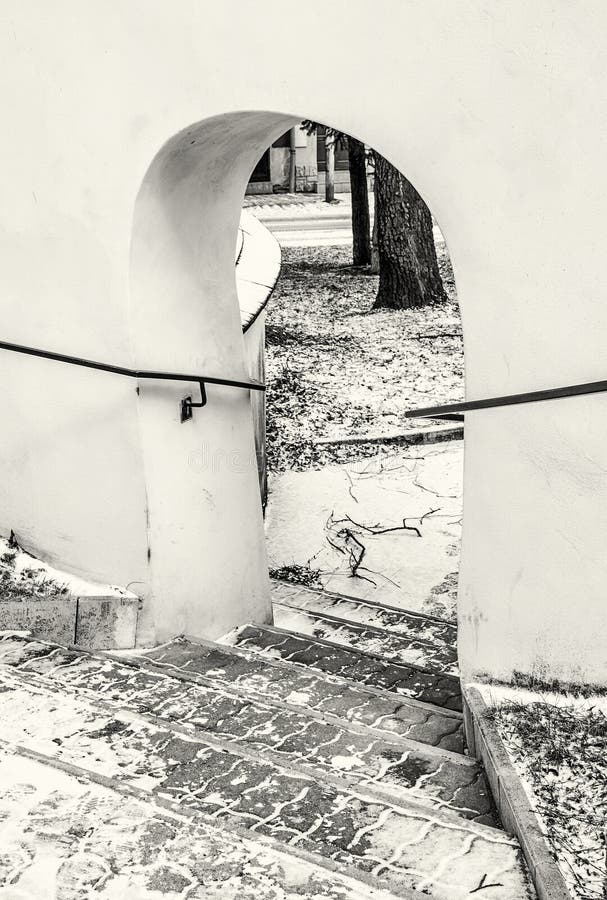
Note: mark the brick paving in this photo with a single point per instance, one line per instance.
(66, 839)
(271, 678)
(412, 847)
(317, 761)
(430, 687)
(399, 768)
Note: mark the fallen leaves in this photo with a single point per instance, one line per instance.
(336, 368)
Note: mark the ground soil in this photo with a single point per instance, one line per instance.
(560, 751)
(337, 368)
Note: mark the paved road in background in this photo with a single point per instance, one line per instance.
(298, 221)
(312, 232)
(303, 220)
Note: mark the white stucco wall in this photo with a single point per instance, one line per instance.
(254, 349)
(118, 245)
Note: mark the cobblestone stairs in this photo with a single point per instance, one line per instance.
(322, 757)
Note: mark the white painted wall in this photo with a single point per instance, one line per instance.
(254, 349)
(496, 113)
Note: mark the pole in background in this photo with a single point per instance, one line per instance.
(330, 179)
(292, 160)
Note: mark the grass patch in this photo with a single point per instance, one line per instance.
(561, 751)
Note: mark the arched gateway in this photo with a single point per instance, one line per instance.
(125, 159)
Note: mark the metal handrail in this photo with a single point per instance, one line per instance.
(186, 405)
(452, 411)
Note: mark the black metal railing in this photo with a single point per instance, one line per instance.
(454, 411)
(186, 404)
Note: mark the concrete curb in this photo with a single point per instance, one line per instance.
(94, 622)
(52, 618)
(510, 797)
(431, 435)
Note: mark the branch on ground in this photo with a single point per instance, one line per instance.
(344, 536)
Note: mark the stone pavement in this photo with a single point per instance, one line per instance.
(398, 767)
(401, 648)
(318, 764)
(297, 686)
(64, 838)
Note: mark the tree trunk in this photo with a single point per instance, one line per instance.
(408, 267)
(361, 224)
(374, 269)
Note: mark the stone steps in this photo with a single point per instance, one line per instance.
(410, 847)
(368, 668)
(418, 626)
(320, 757)
(298, 686)
(400, 648)
(395, 768)
(67, 835)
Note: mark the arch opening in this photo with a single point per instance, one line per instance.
(185, 228)
(356, 506)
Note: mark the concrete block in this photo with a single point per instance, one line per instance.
(106, 623)
(469, 730)
(512, 802)
(50, 619)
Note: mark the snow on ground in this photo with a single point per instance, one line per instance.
(558, 744)
(310, 538)
(24, 576)
(336, 368)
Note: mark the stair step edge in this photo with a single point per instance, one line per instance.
(367, 654)
(374, 604)
(441, 814)
(272, 662)
(350, 623)
(389, 737)
(237, 692)
(380, 887)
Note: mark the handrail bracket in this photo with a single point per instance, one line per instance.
(187, 405)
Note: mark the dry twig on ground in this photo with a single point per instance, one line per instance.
(344, 536)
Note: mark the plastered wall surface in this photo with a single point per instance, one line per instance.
(124, 159)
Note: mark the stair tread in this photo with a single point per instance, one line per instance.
(411, 846)
(369, 613)
(401, 648)
(133, 847)
(438, 688)
(271, 678)
(396, 768)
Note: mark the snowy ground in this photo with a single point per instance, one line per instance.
(22, 576)
(321, 521)
(558, 744)
(337, 369)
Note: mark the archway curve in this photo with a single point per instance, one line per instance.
(199, 176)
(184, 316)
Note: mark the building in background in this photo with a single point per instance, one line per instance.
(307, 154)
